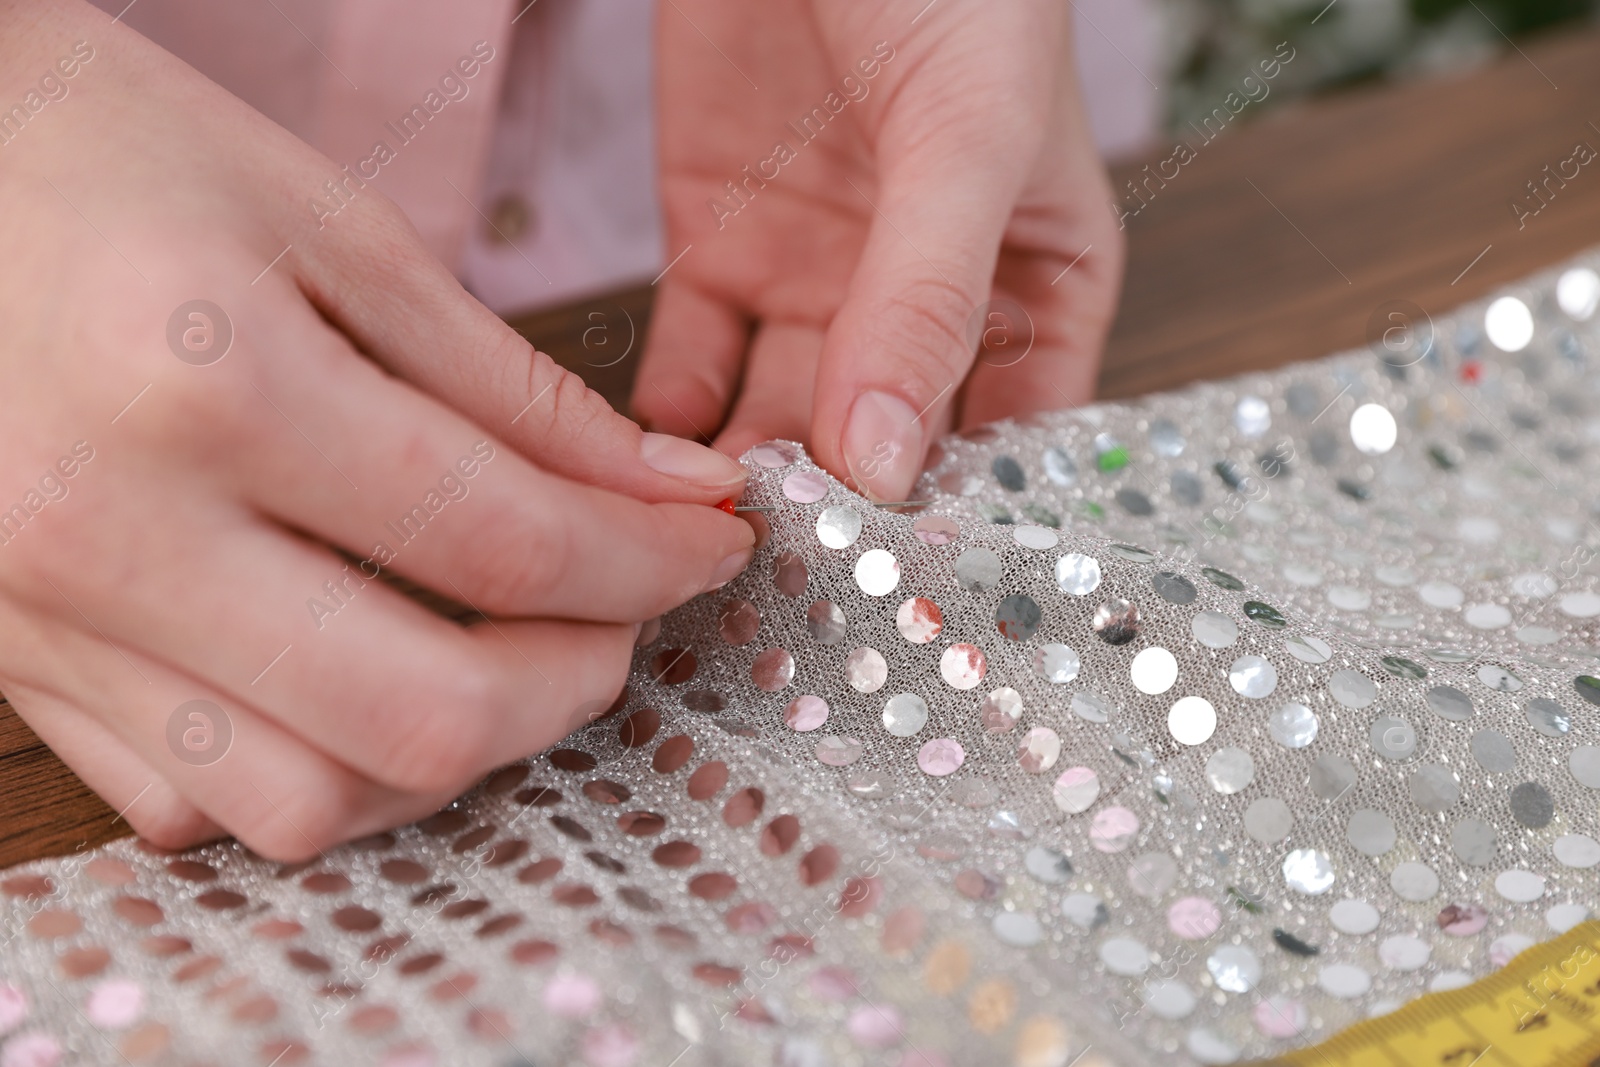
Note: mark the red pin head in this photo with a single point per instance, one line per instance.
(726, 505)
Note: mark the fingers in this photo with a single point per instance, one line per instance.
(244, 774)
(348, 665)
(780, 376)
(280, 797)
(371, 277)
(142, 799)
(403, 482)
(344, 663)
(1052, 359)
(899, 347)
(691, 364)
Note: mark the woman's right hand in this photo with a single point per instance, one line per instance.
(177, 476)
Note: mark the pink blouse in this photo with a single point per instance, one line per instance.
(518, 135)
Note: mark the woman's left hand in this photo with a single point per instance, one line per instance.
(860, 193)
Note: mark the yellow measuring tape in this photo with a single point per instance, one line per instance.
(1541, 1010)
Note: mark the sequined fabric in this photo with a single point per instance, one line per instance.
(1195, 728)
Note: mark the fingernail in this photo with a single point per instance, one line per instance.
(729, 569)
(678, 458)
(882, 445)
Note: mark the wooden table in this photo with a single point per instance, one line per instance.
(1276, 243)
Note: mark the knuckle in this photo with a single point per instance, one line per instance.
(931, 323)
(380, 241)
(388, 237)
(573, 408)
(393, 224)
(199, 411)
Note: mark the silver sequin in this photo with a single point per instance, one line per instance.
(1253, 677)
(1077, 574)
(1017, 617)
(1055, 663)
(839, 526)
(1293, 726)
(825, 622)
(1117, 622)
(978, 569)
(1214, 629)
(1433, 787)
(1450, 703)
(904, 714)
(1307, 870)
(1392, 738)
(1548, 717)
(1234, 968)
(1493, 751)
(1173, 588)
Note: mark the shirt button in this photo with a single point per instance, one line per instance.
(510, 218)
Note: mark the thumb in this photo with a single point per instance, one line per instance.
(899, 348)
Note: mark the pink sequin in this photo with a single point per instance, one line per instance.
(919, 620)
(774, 454)
(1039, 750)
(31, 1050)
(772, 670)
(789, 573)
(936, 530)
(115, 1004)
(875, 1026)
(833, 984)
(13, 1007)
(572, 995)
(838, 751)
(1281, 1017)
(805, 487)
(1194, 918)
(941, 756)
(1505, 949)
(805, 713)
(610, 1046)
(1463, 920)
(1076, 790)
(1113, 829)
(751, 918)
(962, 666)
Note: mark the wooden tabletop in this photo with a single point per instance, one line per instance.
(1276, 243)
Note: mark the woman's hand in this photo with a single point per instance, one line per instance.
(177, 476)
(854, 185)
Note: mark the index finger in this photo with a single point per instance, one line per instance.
(401, 307)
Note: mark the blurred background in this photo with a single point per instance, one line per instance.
(568, 179)
(1210, 45)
